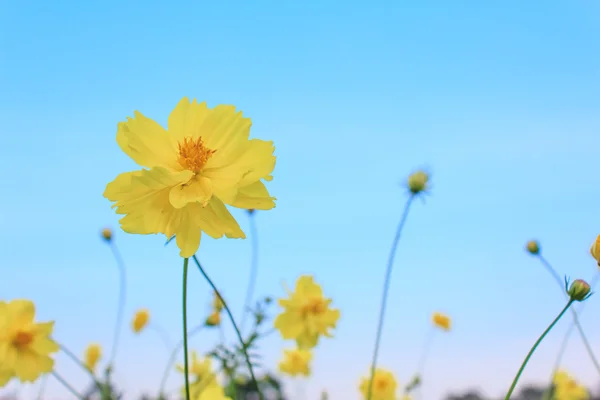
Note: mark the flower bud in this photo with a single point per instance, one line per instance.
(533, 247)
(417, 182)
(595, 250)
(213, 319)
(106, 234)
(579, 291)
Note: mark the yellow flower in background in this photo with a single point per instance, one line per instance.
(217, 304)
(442, 321)
(384, 386)
(203, 376)
(25, 346)
(213, 393)
(213, 319)
(567, 388)
(92, 355)
(595, 250)
(140, 320)
(306, 315)
(203, 161)
(296, 362)
(406, 397)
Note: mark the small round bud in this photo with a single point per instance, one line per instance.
(213, 319)
(579, 291)
(251, 211)
(533, 247)
(106, 234)
(417, 182)
(595, 250)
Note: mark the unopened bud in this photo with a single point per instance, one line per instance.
(533, 247)
(579, 291)
(417, 182)
(595, 250)
(106, 234)
(213, 319)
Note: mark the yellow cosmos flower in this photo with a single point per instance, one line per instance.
(595, 250)
(92, 355)
(307, 314)
(213, 319)
(296, 362)
(25, 346)
(384, 386)
(442, 321)
(140, 320)
(213, 393)
(203, 376)
(203, 161)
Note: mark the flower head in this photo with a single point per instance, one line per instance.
(203, 161)
(202, 375)
(418, 182)
(213, 319)
(92, 355)
(595, 250)
(383, 388)
(307, 314)
(442, 321)
(106, 234)
(533, 247)
(140, 320)
(296, 362)
(25, 346)
(579, 290)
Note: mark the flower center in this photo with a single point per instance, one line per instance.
(381, 384)
(22, 339)
(193, 154)
(313, 306)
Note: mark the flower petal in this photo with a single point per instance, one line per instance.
(254, 196)
(198, 189)
(146, 142)
(216, 220)
(22, 312)
(187, 235)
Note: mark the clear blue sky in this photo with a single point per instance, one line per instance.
(498, 99)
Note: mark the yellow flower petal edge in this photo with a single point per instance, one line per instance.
(204, 161)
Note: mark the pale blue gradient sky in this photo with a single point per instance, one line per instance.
(499, 99)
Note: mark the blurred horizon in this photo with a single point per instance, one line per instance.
(499, 101)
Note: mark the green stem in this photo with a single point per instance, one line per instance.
(253, 271)
(121, 304)
(537, 343)
(77, 361)
(162, 334)
(173, 357)
(235, 327)
(42, 387)
(185, 341)
(66, 385)
(386, 287)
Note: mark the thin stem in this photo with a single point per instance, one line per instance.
(121, 304)
(253, 270)
(424, 355)
(185, 339)
(576, 323)
(537, 343)
(235, 327)
(42, 386)
(386, 287)
(162, 334)
(77, 361)
(67, 385)
(173, 357)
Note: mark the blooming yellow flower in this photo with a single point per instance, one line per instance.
(567, 388)
(307, 314)
(213, 393)
(296, 362)
(93, 353)
(213, 319)
(384, 386)
(25, 346)
(203, 161)
(140, 320)
(595, 250)
(442, 321)
(203, 376)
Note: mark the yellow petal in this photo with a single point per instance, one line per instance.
(254, 196)
(187, 235)
(29, 366)
(216, 220)
(289, 324)
(21, 312)
(5, 376)
(260, 159)
(198, 189)
(146, 142)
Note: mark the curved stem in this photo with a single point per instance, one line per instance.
(235, 327)
(121, 304)
(253, 270)
(185, 338)
(386, 287)
(66, 385)
(173, 356)
(162, 334)
(537, 343)
(423, 359)
(42, 387)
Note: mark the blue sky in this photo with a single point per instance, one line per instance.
(499, 100)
